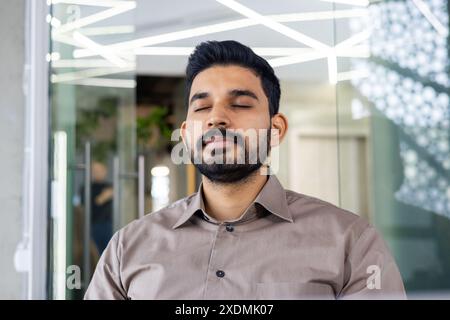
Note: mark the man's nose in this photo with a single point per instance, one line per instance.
(218, 118)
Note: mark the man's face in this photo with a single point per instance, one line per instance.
(230, 106)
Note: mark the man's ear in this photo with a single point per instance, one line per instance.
(280, 126)
(183, 132)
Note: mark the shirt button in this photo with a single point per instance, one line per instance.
(229, 228)
(220, 273)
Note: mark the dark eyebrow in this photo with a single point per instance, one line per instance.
(199, 95)
(240, 92)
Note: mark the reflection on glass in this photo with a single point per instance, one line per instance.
(59, 194)
(101, 206)
(406, 95)
(93, 104)
(160, 187)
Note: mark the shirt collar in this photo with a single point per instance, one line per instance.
(272, 197)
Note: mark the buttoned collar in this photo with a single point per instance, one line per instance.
(272, 198)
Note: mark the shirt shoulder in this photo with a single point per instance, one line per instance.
(325, 216)
(154, 223)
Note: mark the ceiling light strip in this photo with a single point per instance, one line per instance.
(95, 47)
(105, 14)
(221, 27)
(173, 36)
(95, 3)
(361, 51)
(360, 3)
(112, 30)
(351, 75)
(320, 15)
(332, 68)
(354, 39)
(299, 58)
(90, 73)
(81, 63)
(274, 25)
(105, 82)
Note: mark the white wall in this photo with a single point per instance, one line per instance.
(12, 105)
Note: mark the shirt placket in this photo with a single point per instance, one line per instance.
(219, 278)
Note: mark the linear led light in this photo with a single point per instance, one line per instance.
(128, 56)
(332, 68)
(164, 51)
(100, 50)
(185, 51)
(66, 40)
(361, 3)
(172, 36)
(272, 24)
(97, 31)
(299, 58)
(222, 27)
(126, 6)
(55, 23)
(105, 82)
(90, 73)
(353, 74)
(320, 15)
(288, 55)
(95, 3)
(361, 51)
(81, 63)
(71, 41)
(425, 10)
(281, 51)
(353, 40)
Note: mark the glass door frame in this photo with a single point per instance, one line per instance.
(31, 256)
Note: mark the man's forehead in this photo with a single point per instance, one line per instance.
(224, 79)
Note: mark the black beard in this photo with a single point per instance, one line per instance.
(227, 173)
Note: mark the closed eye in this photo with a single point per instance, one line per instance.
(241, 106)
(201, 109)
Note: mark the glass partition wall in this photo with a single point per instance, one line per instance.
(96, 171)
(365, 93)
(396, 104)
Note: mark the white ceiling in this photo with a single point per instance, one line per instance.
(159, 17)
(155, 17)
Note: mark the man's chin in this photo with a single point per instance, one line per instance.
(227, 173)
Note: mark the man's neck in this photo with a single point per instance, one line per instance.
(226, 202)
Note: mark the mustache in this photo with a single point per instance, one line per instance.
(236, 137)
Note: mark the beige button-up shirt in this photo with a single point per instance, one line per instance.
(285, 246)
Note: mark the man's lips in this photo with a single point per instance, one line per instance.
(218, 139)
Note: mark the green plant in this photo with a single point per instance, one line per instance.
(154, 130)
(88, 122)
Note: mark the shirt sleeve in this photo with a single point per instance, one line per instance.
(371, 271)
(106, 283)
